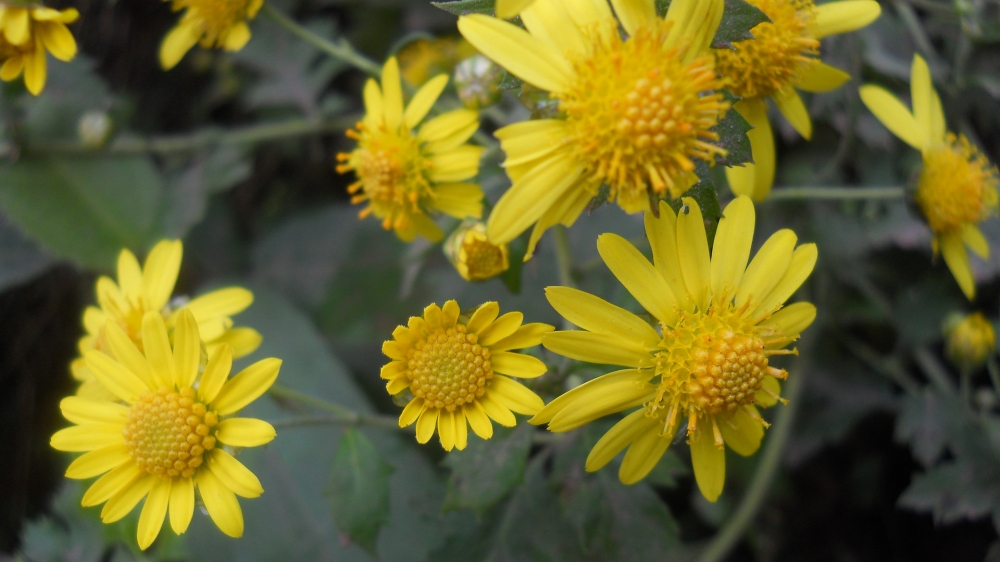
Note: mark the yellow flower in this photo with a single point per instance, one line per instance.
(635, 111)
(158, 438)
(145, 289)
(473, 255)
(454, 365)
(783, 56)
(213, 23)
(425, 58)
(969, 341)
(405, 175)
(27, 33)
(719, 322)
(957, 187)
(507, 9)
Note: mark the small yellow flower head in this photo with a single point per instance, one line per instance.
(783, 57)
(458, 369)
(969, 341)
(473, 255)
(405, 174)
(140, 290)
(158, 437)
(720, 322)
(423, 59)
(212, 23)
(957, 188)
(26, 34)
(636, 111)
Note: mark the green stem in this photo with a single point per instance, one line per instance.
(767, 468)
(340, 415)
(837, 193)
(564, 257)
(994, 370)
(188, 143)
(344, 51)
(934, 370)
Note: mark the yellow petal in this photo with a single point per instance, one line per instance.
(840, 17)
(502, 327)
(692, 249)
(819, 77)
(245, 432)
(160, 272)
(767, 268)
(98, 461)
(126, 499)
(551, 22)
(87, 437)
(246, 386)
(497, 411)
(35, 66)
(374, 106)
(461, 431)
(618, 437)
(478, 419)
(662, 234)
(446, 429)
(237, 37)
(517, 365)
(177, 43)
(695, 23)
(129, 275)
(187, 349)
(216, 373)
(411, 412)
(615, 397)
(111, 483)
(220, 303)
(957, 260)
(423, 100)
(426, 424)
(762, 398)
(82, 410)
(590, 390)
(792, 319)
(801, 266)
(742, 433)
(731, 250)
(449, 313)
(457, 164)
(642, 456)
(448, 129)
(894, 115)
(12, 68)
(221, 503)
(595, 314)
(392, 94)
(924, 100)
(181, 504)
(974, 239)
(791, 106)
(709, 463)
(602, 349)
(17, 25)
(57, 40)
(514, 396)
(157, 347)
(634, 13)
(525, 56)
(151, 518)
(122, 382)
(483, 317)
(233, 474)
(528, 141)
(755, 180)
(243, 341)
(508, 9)
(639, 276)
(528, 335)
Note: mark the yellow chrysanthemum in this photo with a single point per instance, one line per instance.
(473, 255)
(783, 56)
(957, 188)
(969, 341)
(405, 175)
(26, 34)
(158, 439)
(635, 110)
(719, 322)
(213, 23)
(454, 366)
(145, 289)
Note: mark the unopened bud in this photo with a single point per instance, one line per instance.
(969, 340)
(94, 128)
(477, 81)
(473, 255)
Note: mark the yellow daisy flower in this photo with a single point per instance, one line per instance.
(719, 322)
(957, 187)
(405, 175)
(473, 255)
(26, 34)
(634, 111)
(454, 366)
(213, 23)
(143, 289)
(969, 341)
(783, 57)
(163, 440)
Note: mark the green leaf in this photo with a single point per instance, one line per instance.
(509, 82)
(187, 193)
(85, 209)
(704, 193)
(466, 7)
(921, 423)
(487, 470)
(732, 130)
(661, 7)
(20, 258)
(954, 491)
(359, 489)
(738, 19)
(512, 277)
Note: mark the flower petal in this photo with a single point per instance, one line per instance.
(767, 268)
(497, 411)
(446, 429)
(177, 43)
(595, 314)
(618, 437)
(639, 276)
(742, 433)
(478, 419)
(508, 9)
(974, 239)
(151, 518)
(528, 335)
(221, 503)
(957, 260)
(551, 22)
(755, 180)
(517, 365)
(642, 456)
(501, 328)
(426, 424)
(98, 461)
(692, 249)
(233, 474)
(122, 503)
(181, 504)
(597, 348)
(840, 17)
(246, 386)
(159, 274)
(411, 412)
(709, 463)
(392, 94)
(483, 317)
(894, 115)
(156, 344)
(245, 432)
(220, 303)
(634, 13)
(523, 55)
(589, 390)
(514, 396)
(57, 40)
(624, 394)
(662, 234)
(926, 106)
(731, 250)
(187, 349)
(799, 268)
(122, 382)
(819, 77)
(111, 483)
(80, 410)
(792, 319)
(790, 105)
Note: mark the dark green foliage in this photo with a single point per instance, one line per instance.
(738, 19)
(732, 130)
(359, 489)
(487, 470)
(466, 7)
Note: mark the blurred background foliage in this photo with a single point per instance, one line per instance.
(891, 456)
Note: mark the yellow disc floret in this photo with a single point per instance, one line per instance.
(780, 48)
(639, 114)
(448, 368)
(957, 185)
(167, 432)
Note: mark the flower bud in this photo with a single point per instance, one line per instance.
(477, 81)
(969, 340)
(94, 128)
(473, 255)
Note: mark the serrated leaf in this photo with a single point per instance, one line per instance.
(359, 489)
(954, 491)
(661, 7)
(509, 82)
(704, 192)
(466, 7)
(732, 130)
(487, 470)
(738, 19)
(921, 424)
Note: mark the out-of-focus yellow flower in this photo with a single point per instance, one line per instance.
(969, 340)
(26, 34)
(404, 173)
(158, 437)
(425, 58)
(636, 110)
(473, 255)
(720, 320)
(143, 289)
(957, 188)
(455, 367)
(783, 57)
(507, 9)
(213, 23)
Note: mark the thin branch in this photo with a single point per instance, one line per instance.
(837, 193)
(342, 51)
(340, 415)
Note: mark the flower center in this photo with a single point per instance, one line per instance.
(761, 66)
(483, 259)
(392, 174)
(710, 363)
(167, 433)
(448, 368)
(639, 114)
(957, 185)
(217, 16)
